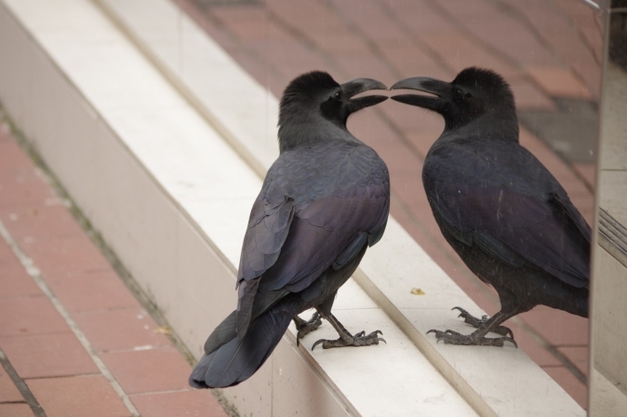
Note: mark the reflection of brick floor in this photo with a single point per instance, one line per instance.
(67, 356)
(545, 48)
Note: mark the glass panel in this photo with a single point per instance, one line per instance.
(549, 51)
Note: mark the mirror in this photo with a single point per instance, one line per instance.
(549, 51)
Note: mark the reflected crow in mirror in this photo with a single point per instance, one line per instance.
(323, 202)
(501, 210)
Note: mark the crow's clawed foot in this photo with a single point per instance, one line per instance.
(451, 337)
(305, 327)
(477, 323)
(359, 339)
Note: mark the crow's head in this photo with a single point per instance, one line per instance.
(314, 101)
(473, 93)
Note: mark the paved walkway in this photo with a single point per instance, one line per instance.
(74, 340)
(548, 50)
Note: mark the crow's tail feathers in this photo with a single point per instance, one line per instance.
(236, 360)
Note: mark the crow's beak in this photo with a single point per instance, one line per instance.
(359, 85)
(440, 89)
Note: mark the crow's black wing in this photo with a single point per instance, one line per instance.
(317, 209)
(511, 207)
(329, 232)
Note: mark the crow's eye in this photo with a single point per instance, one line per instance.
(461, 93)
(338, 96)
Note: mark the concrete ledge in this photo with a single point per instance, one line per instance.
(121, 106)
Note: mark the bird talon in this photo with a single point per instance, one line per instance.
(316, 343)
(359, 339)
(511, 340)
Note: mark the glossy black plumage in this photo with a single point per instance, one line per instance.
(322, 203)
(502, 211)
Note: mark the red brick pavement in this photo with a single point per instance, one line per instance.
(79, 328)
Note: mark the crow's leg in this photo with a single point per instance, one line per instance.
(347, 339)
(305, 327)
(477, 323)
(477, 338)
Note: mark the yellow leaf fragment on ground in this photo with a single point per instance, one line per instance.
(163, 330)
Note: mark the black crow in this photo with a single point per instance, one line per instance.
(323, 202)
(502, 211)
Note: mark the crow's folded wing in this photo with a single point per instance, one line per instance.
(546, 232)
(287, 247)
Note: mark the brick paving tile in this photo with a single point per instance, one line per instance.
(422, 140)
(7, 258)
(309, 17)
(536, 351)
(134, 328)
(411, 118)
(77, 396)
(418, 18)
(578, 12)
(364, 66)
(342, 44)
(91, 291)
(39, 221)
(8, 390)
(585, 205)
(12, 158)
(16, 410)
(409, 60)
(594, 37)
(5, 134)
(65, 255)
(168, 404)
(530, 97)
(153, 370)
(588, 172)
(578, 355)
(374, 130)
(290, 58)
(251, 24)
(483, 19)
(16, 282)
(558, 327)
(49, 355)
(566, 37)
(460, 52)
(572, 386)
(404, 177)
(559, 82)
(22, 188)
(373, 22)
(27, 316)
